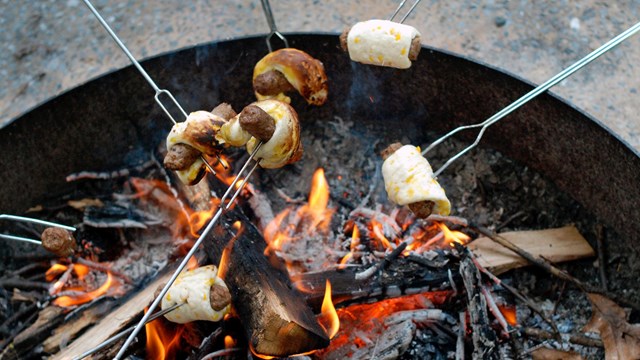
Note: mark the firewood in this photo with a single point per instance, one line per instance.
(401, 277)
(277, 320)
(484, 339)
(47, 319)
(556, 245)
(115, 322)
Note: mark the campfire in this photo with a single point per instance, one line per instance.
(382, 283)
(313, 260)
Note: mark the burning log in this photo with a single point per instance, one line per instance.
(277, 319)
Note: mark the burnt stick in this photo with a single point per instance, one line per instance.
(485, 344)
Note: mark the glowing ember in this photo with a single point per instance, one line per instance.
(509, 313)
(329, 316)
(162, 342)
(364, 323)
(82, 298)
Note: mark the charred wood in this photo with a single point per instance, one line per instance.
(401, 277)
(484, 339)
(47, 319)
(23, 284)
(277, 320)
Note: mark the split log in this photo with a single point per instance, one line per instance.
(555, 245)
(277, 320)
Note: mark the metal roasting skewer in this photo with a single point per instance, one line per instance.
(123, 333)
(30, 220)
(408, 12)
(222, 206)
(144, 74)
(529, 96)
(266, 7)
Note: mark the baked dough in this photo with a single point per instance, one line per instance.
(193, 289)
(283, 148)
(302, 71)
(408, 178)
(382, 43)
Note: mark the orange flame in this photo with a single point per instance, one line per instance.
(319, 193)
(223, 265)
(355, 240)
(192, 263)
(54, 271)
(80, 270)
(376, 228)
(162, 341)
(454, 236)
(65, 301)
(329, 317)
(199, 219)
(292, 225)
(229, 342)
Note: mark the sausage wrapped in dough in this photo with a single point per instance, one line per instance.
(204, 296)
(408, 179)
(281, 70)
(382, 43)
(283, 146)
(188, 140)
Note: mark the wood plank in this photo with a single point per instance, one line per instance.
(555, 245)
(119, 319)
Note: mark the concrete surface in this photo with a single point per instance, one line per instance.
(51, 46)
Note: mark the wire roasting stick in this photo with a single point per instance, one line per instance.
(529, 96)
(266, 7)
(408, 12)
(123, 333)
(222, 207)
(144, 74)
(30, 220)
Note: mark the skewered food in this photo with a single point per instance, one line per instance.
(281, 148)
(204, 295)
(188, 140)
(408, 180)
(286, 69)
(382, 43)
(58, 241)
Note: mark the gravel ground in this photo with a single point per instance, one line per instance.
(52, 46)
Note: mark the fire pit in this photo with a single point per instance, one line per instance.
(111, 123)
